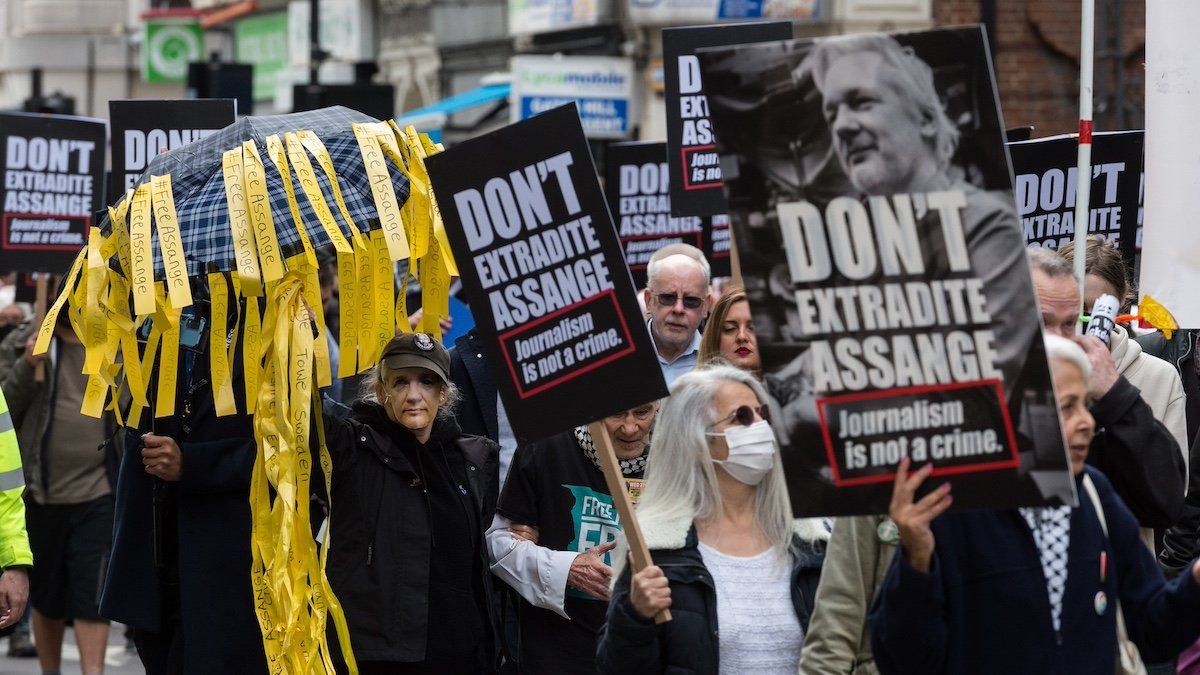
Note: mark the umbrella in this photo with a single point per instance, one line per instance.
(245, 210)
(202, 207)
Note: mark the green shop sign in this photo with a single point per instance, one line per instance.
(168, 46)
(262, 41)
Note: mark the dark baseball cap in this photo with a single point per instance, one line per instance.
(417, 350)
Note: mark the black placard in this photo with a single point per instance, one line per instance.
(691, 146)
(886, 270)
(636, 184)
(552, 298)
(141, 129)
(53, 183)
(1045, 171)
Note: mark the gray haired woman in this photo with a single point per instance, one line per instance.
(737, 572)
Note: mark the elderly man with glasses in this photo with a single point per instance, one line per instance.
(678, 299)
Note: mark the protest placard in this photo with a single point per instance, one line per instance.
(636, 184)
(1045, 170)
(691, 149)
(53, 184)
(141, 129)
(886, 269)
(553, 302)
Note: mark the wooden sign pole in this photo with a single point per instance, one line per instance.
(620, 495)
(735, 263)
(39, 314)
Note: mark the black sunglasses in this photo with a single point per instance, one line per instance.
(669, 300)
(745, 415)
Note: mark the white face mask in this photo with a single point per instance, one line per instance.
(751, 452)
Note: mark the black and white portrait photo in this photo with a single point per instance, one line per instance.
(871, 198)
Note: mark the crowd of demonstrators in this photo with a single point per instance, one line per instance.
(678, 297)
(456, 549)
(414, 495)
(736, 571)
(966, 587)
(70, 466)
(553, 533)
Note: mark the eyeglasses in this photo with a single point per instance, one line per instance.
(669, 300)
(745, 415)
(641, 414)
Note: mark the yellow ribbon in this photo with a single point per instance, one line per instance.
(174, 265)
(244, 247)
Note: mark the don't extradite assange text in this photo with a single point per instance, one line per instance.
(557, 311)
(907, 339)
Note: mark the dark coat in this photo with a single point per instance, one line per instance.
(221, 634)
(629, 644)
(983, 608)
(1139, 454)
(476, 411)
(380, 532)
(1181, 542)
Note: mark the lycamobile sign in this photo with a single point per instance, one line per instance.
(601, 86)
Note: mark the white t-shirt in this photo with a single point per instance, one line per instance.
(757, 628)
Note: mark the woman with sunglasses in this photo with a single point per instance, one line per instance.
(737, 572)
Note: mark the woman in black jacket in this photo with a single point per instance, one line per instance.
(738, 574)
(411, 498)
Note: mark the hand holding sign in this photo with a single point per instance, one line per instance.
(913, 518)
(650, 592)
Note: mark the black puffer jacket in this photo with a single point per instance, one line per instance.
(382, 531)
(688, 643)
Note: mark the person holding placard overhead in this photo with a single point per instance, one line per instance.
(411, 498)
(1030, 590)
(555, 526)
(737, 572)
(678, 279)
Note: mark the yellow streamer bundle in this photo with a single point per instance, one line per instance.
(293, 599)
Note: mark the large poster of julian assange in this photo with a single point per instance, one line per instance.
(871, 199)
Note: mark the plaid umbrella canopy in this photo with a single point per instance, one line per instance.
(199, 187)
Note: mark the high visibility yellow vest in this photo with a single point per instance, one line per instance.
(14, 542)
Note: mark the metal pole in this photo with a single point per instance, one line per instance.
(314, 41)
(1083, 176)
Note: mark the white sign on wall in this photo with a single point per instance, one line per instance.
(603, 86)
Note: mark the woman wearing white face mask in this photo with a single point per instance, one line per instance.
(737, 572)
